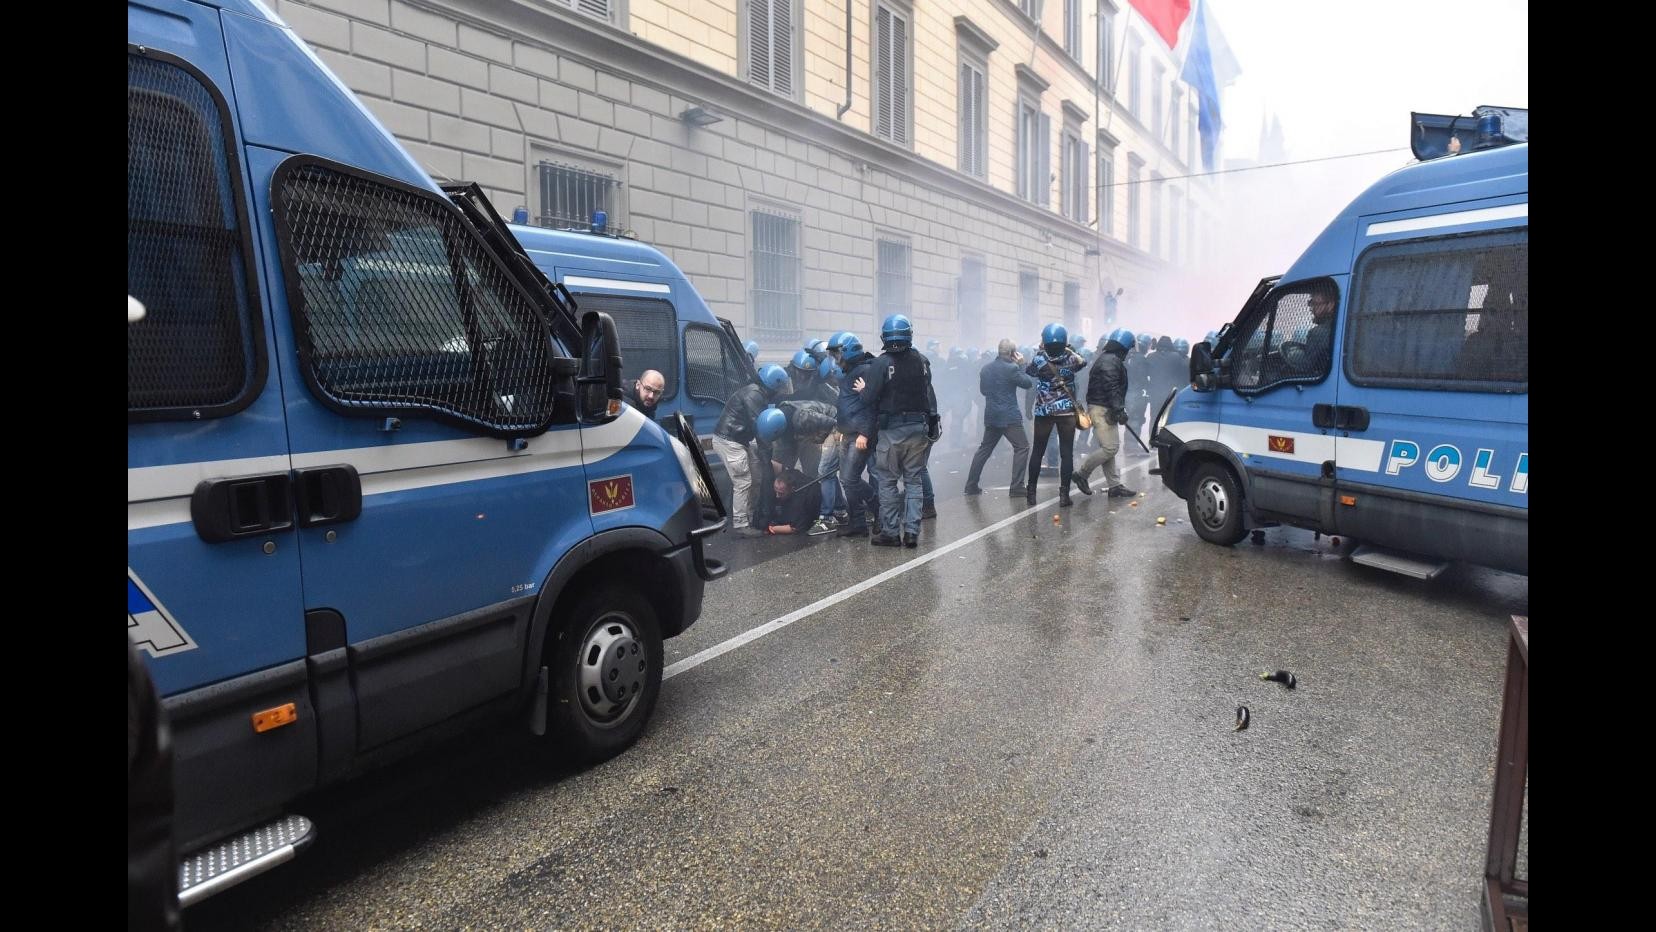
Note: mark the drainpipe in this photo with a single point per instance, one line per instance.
(840, 115)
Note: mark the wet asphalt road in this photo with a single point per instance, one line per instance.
(1032, 730)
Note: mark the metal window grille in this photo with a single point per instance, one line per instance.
(974, 298)
(894, 279)
(1029, 302)
(569, 195)
(778, 276)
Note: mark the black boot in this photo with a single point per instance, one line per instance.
(1081, 483)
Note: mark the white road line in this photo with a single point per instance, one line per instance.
(753, 634)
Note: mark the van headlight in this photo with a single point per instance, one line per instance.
(692, 475)
(1166, 412)
(697, 474)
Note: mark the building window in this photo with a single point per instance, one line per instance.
(1072, 309)
(1174, 208)
(1155, 246)
(1135, 177)
(1177, 120)
(570, 193)
(1030, 8)
(778, 275)
(892, 279)
(603, 10)
(1190, 228)
(1034, 152)
(1074, 177)
(1106, 190)
(772, 44)
(1029, 303)
(891, 74)
(1190, 139)
(973, 298)
(1106, 60)
(1157, 79)
(1072, 28)
(974, 120)
(1135, 100)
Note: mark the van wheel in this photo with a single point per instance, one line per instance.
(605, 667)
(1215, 504)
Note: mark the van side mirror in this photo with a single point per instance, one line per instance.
(598, 387)
(1202, 375)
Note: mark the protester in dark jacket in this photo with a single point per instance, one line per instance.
(1106, 400)
(733, 438)
(998, 382)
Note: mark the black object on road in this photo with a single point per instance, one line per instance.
(1242, 718)
(1280, 676)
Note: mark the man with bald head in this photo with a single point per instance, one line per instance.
(646, 391)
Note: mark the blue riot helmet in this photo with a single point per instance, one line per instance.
(956, 352)
(1086, 354)
(1144, 341)
(772, 423)
(836, 342)
(1181, 346)
(1054, 338)
(897, 332)
(817, 348)
(849, 344)
(1211, 338)
(776, 379)
(934, 345)
(804, 361)
(1121, 337)
(832, 373)
(752, 348)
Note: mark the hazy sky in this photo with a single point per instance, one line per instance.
(1342, 76)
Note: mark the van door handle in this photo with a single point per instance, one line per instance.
(327, 494)
(243, 506)
(1351, 417)
(1323, 415)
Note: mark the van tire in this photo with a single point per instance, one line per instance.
(605, 675)
(1215, 504)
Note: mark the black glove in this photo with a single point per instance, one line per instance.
(934, 427)
(1119, 416)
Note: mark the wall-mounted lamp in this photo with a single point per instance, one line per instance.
(699, 116)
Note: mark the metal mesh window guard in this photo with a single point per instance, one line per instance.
(1451, 312)
(399, 307)
(648, 330)
(198, 351)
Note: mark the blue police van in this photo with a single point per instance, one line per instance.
(661, 319)
(381, 484)
(1380, 389)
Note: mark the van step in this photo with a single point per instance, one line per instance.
(240, 857)
(1395, 562)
